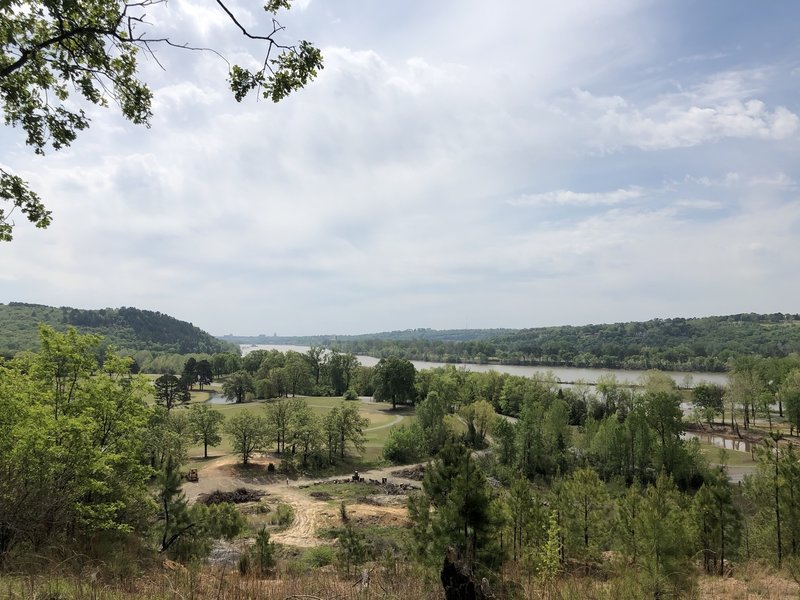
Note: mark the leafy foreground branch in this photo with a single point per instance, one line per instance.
(52, 51)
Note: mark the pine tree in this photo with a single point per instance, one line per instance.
(717, 522)
(628, 533)
(550, 555)
(264, 551)
(584, 503)
(664, 536)
(173, 505)
(170, 391)
(352, 550)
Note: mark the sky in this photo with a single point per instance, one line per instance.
(455, 164)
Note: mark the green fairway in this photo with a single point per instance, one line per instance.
(382, 419)
(732, 457)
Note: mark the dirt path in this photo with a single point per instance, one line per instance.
(309, 514)
(396, 420)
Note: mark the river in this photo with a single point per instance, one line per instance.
(566, 375)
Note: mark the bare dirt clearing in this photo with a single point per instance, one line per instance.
(310, 514)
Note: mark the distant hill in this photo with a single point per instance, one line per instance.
(433, 335)
(694, 344)
(125, 328)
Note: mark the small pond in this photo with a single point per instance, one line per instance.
(719, 441)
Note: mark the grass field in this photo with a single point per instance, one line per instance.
(382, 419)
(732, 457)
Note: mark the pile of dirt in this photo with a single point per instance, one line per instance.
(224, 554)
(382, 500)
(387, 488)
(238, 496)
(396, 489)
(412, 473)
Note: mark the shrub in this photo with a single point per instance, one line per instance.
(244, 564)
(350, 394)
(283, 515)
(405, 445)
(319, 556)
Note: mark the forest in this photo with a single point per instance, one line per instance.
(539, 490)
(679, 344)
(127, 329)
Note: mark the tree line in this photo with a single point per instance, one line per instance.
(696, 344)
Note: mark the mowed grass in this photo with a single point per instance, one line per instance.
(734, 458)
(382, 419)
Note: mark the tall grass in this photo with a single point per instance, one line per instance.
(309, 579)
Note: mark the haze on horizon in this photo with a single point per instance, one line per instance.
(454, 165)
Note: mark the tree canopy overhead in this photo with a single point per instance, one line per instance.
(53, 52)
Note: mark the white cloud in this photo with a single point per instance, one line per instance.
(388, 193)
(707, 114)
(568, 197)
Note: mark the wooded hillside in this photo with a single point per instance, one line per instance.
(125, 328)
(696, 344)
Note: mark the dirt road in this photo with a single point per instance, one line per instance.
(309, 514)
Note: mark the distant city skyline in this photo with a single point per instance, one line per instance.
(506, 166)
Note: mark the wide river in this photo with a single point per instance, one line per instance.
(566, 375)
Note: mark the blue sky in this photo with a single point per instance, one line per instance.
(455, 164)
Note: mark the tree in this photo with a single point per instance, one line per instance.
(278, 417)
(296, 373)
(71, 447)
(662, 410)
(342, 425)
(527, 517)
(717, 522)
(306, 435)
(744, 389)
(237, 385)
(404, 445)
(394, 380)
(174, 510)
(89, 48)
(314, 357)
(774, 491)
(480, 417)
(251, 362)
(505, 435)
(629, 536)
(430, 416)
(170, 391)
(465, 516)
(224, 363)
(710, 398)
(165, 437)
(248, 432)
(585, 501)
(664, 536)
(189, 373)
(264, 551)
(205, 374)
(352, 549)
(790, 397)
(205, 425)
